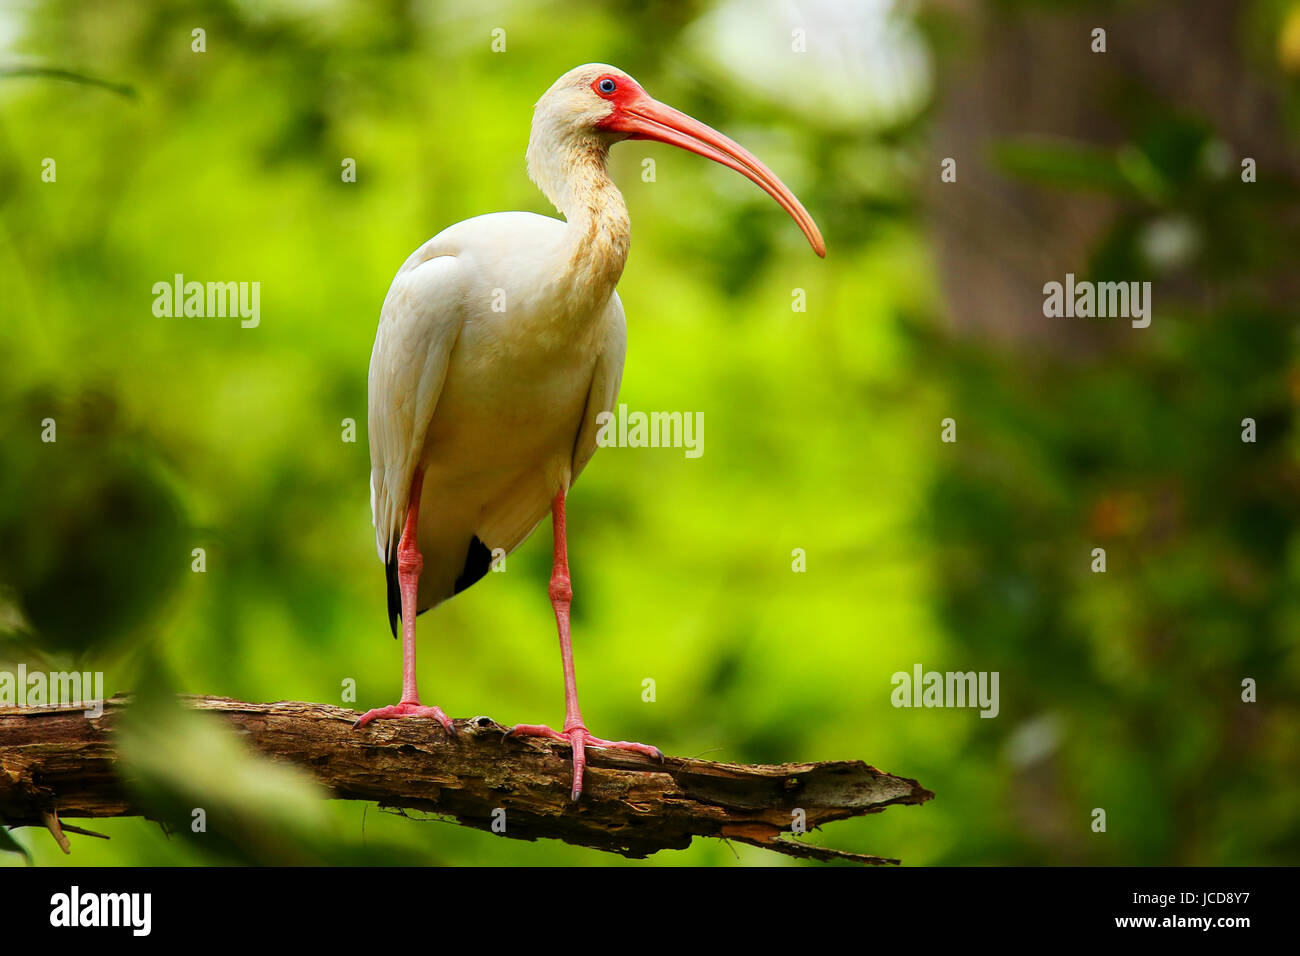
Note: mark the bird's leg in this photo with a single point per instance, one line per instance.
(409, 565)
(575, 732)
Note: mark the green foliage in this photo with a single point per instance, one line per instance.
(9, 845)
(1120, 690)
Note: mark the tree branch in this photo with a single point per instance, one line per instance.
(57, 759)
(71, 76)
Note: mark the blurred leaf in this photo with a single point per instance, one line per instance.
(180, 761)
(9, 845)
(1060, 164)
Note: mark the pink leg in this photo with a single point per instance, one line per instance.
(575, 733)
(409, 565)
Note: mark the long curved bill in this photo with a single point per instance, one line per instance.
(650, 119)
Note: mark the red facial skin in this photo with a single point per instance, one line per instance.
(626, 91)
(637, 116)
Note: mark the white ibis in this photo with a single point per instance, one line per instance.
(500, 341)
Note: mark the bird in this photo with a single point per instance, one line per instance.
(500, 342)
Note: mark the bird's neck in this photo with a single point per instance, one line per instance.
(595, 248)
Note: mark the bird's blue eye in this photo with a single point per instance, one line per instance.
(607, 85)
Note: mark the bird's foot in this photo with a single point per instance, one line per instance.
(577, 737)
(407, 708)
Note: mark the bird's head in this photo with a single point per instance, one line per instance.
(598, 105)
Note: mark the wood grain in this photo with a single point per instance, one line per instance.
(58, 759)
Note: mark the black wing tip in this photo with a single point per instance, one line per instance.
(478, 560)
(394, 594)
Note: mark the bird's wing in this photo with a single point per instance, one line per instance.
(418, 328)
(604, 384)
(514, 522)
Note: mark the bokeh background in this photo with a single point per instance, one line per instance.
(1119, 691)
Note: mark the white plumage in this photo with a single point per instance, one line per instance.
(500, 341)
(498, 406)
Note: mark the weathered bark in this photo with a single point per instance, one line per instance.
(60, 760)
